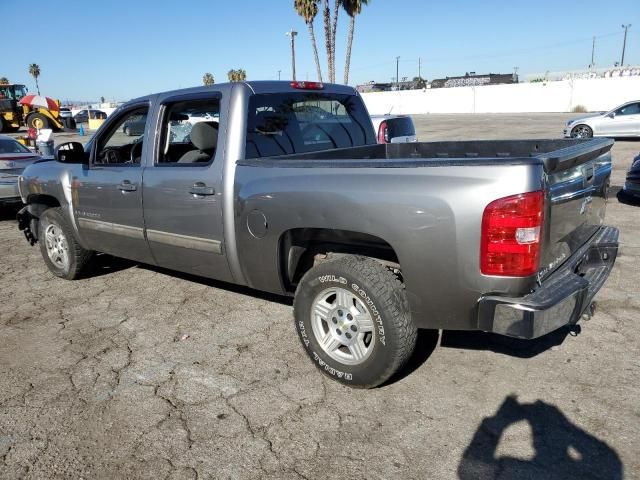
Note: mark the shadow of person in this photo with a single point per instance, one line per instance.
(562, 450)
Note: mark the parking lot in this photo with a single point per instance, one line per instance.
(138, 372)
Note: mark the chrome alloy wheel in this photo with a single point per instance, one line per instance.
(57, 246)
(581, 131)
(342, 325)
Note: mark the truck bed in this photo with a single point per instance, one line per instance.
(555, 154)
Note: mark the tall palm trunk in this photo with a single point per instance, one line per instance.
(336, 9)
(315, 50)
(326, 12)
(37, 86)
(347, 63)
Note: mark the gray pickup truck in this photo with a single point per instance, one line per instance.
(281, 187)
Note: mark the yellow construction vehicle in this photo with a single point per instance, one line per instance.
(13, 115)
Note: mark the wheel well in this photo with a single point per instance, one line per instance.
(39, 203)
(301, 248)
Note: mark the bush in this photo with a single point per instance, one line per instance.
(579, 109)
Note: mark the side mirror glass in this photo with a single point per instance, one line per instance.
(612, 115)
(70, 152)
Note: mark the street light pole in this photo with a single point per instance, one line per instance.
(593, 53)
(624, 43)
(397, 73)
(292, 33)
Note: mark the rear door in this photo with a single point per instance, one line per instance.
(183, 187)
(108, 195)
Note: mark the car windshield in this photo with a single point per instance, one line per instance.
(400, 127)
(300, 122)
(12, 146)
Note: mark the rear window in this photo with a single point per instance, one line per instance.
(400, 127)
(301, 122)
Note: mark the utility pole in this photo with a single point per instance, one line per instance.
(292, 33)
(397, 73)
(624, 43)
(593, 53)
(279, 74)
(419, 67)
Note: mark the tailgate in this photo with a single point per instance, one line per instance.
(577, 182)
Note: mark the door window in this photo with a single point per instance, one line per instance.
(121, 144)
(189, 133)
(631, 109)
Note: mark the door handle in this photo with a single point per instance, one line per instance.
(200, 188)
(127, 186)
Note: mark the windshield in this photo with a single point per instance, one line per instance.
(400, 127)
(21, 91)
(11, 146)
(286, 123)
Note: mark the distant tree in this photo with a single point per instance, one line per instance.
(34, 71)
(207, 79)
(4, 81)
(419, 82)
(238, 75)
(101, 99)
(308, 9)
(353, 8)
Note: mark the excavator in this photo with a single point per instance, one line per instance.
(13, 115)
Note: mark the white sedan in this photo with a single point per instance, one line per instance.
(14, 158)
(622, 121)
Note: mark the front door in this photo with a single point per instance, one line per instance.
(183, 189)
(625, 121)
(109, 193)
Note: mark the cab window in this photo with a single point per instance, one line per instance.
(189, 133)
(122, 143)
(631, 109)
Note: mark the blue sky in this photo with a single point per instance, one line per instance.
(122, 49)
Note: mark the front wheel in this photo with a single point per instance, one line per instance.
(353, 318)
(38, 121)
(581, 131)
(61, 252)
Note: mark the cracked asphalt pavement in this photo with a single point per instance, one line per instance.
(137, 372)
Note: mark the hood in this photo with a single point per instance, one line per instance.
(589, 115)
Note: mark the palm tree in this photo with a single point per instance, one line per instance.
(4, 81)
(308, 9)
(353, 8)
(34, 71)
(326, 13)
(238, 75)
(207, 79)
(334, 28)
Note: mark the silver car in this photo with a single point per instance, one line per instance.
(394, 128)
(14, 158)
(622, 121)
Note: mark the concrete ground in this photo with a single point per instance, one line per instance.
(141, 373)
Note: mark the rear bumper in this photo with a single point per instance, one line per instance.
(560, 300)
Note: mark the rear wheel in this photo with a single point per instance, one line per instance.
(353, 318)
(61, 252)
(581, 131)
(38, 121)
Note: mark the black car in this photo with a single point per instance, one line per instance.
(135, 125)
(83, 115)
(632, 184)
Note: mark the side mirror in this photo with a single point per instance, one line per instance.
(70, 152)
(612, 115)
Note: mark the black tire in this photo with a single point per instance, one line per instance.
(79, 259)
(2, 126)
(38, 120)
(581, 131)
(393, 336)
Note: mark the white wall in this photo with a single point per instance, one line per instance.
(561, 96)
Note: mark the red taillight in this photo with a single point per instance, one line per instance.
(511, 235)
(307, 85)
(383, 132)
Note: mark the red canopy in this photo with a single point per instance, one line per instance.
(40, 101)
